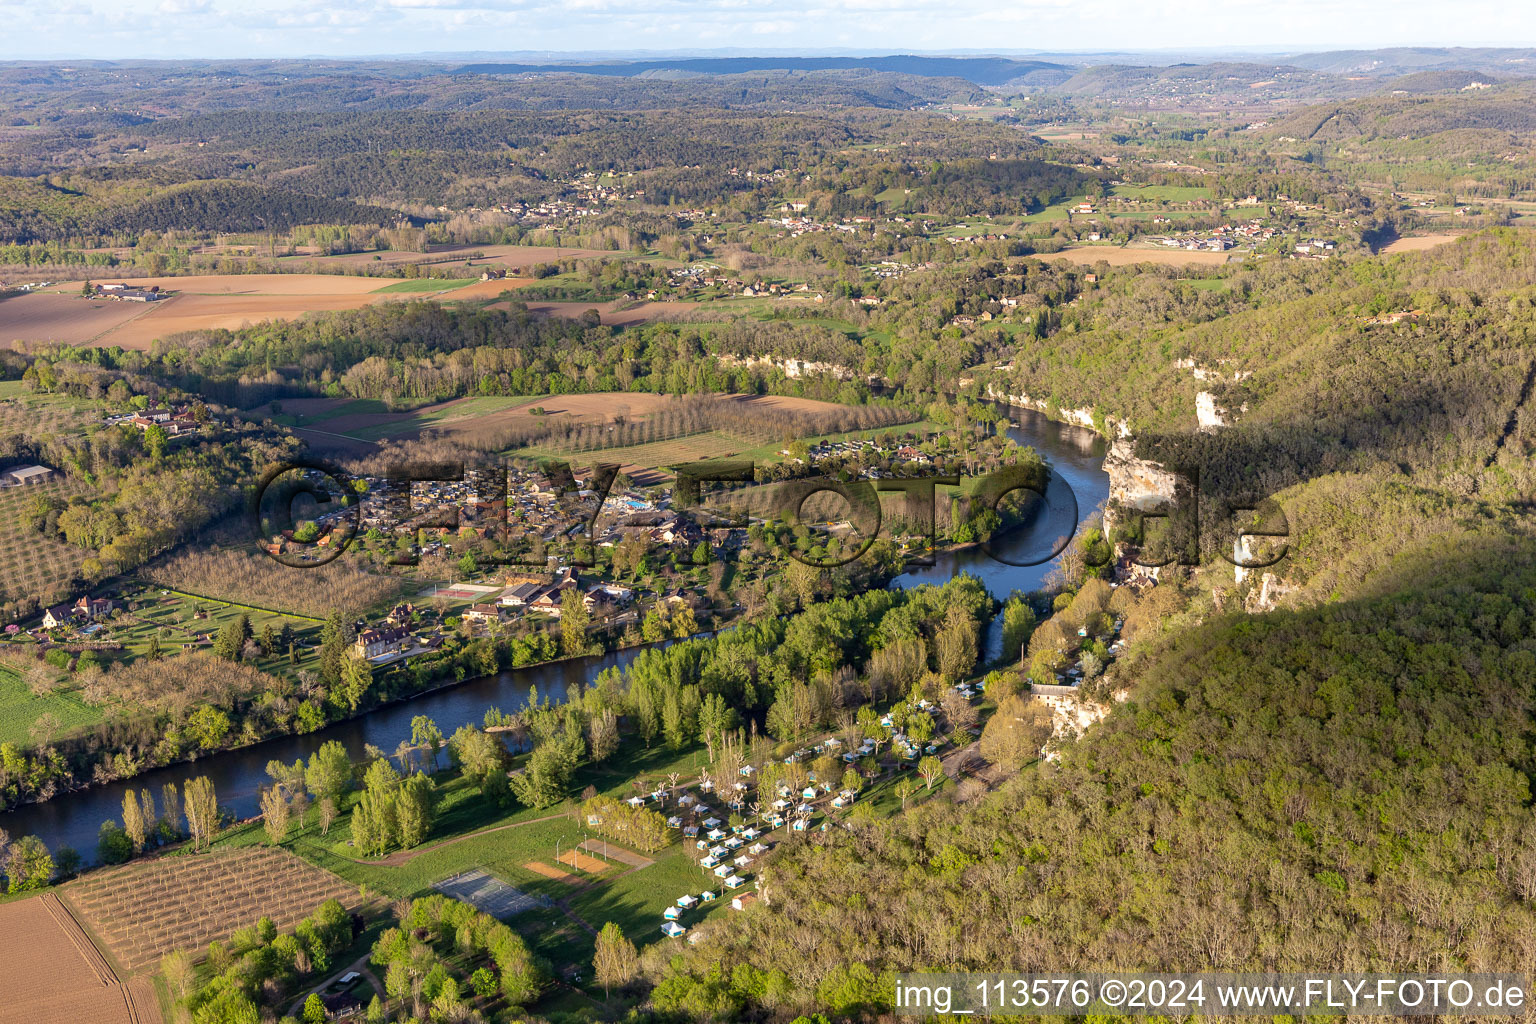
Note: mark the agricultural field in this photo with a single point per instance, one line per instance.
(212, 301)
(20, 709)
(1162, 193)
(225, 568)
(478, 418)
(22, 412)
(609, 312)
(419, 285)
(1117, 256)
(1417, 243)
(510, 256)
(144, 910)
(66, 318)
(645, 463)
(32, 565)
(54, 972)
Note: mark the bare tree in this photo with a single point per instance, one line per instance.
(275, 813)
(202, 811)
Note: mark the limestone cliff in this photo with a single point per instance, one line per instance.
(1135, 483)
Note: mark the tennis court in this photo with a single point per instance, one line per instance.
(490, 894)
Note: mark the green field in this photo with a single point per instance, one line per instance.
(19, 709)
(414, 422)
(1165, 193)
(423, 284)
(173, 617)
(356, 407)
(711, 444)
(1056, 211)
(635, 901)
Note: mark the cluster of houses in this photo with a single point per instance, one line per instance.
(529, 592)
(486, 500)
(863, 455)
(174, 421)
(1315, 248)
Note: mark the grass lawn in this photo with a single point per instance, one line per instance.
(420, 419)
(174, 613)
(1166, 193)
(711, 444)
(1149, 214)
(19, 709)
(1056, 211)
(423, 284)
(636, 900)
(356, 407)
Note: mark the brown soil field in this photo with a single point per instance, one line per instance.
(1418, 243)
(231, 312)
(144, 910)
(1118, 257)
(204, 302)
(54, 972)
(254, 284)
(486, 289)
(233, 301)
(65, 318)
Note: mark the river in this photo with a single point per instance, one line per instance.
(72, 819)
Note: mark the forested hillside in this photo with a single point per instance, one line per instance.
(1343, 788)
(32, 212)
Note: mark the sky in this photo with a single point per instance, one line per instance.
(352, 28)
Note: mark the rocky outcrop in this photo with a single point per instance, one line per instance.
(1077, 417)
(1207, 415)
(1136, 483)
(791, 368)
(1271, 593)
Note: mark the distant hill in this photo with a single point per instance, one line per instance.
(1404, 60)
(977, 70)
(1221, 80)
(1507, 108)
(1423, 82)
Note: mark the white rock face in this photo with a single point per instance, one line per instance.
(1206, 413)
(1077, 417)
